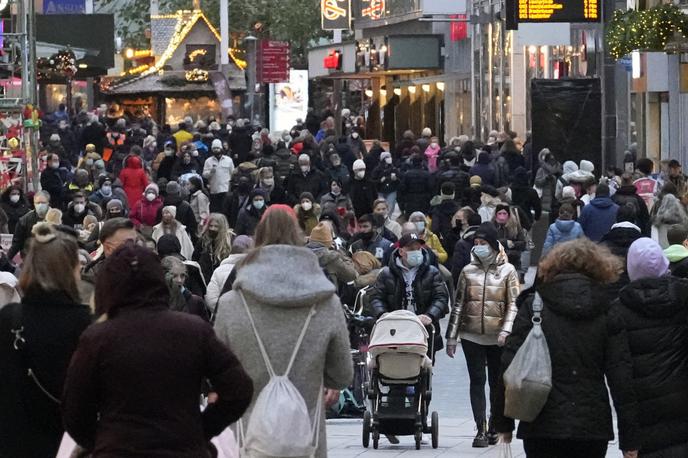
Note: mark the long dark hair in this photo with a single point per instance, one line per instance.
(51, 262)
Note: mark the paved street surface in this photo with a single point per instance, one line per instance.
(457, 429)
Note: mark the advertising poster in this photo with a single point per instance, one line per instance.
(289, 101)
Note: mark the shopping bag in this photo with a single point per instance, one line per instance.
(506, 451)
(226, 444)
(70, 449)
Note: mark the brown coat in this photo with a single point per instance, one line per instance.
(485, 299)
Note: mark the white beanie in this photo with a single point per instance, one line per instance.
(55, 138)
(587, 166)
(359, 164)
(217, 143)
(568, 191)
(171, 209)
(426, 132)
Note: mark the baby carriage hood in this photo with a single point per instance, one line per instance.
(400, 331)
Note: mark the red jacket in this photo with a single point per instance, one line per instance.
(134, 179)
(145, 213)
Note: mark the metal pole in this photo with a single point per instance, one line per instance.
(224, 32)
(251, 43)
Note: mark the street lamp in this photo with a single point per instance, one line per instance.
(251, 41)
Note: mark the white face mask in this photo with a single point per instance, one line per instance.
(194, 153)
(354, 135)
(305, 168)
(359, 173)
(14, 198)
(269, 182)
(150, 196)
(433, 144)
(79, 208)
(307, 206)
(42, 209)
(388, 160)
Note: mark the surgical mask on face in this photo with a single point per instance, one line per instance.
(336, 190)
(305, 168)
(414, 258)
(307, 206)
(388, 160)
(482, 252)
(169, 152)
(269, 182)
(106, 190)
(42, 209)
(194, 153)
(420, 225)
(354, 135)
(55, 165)
(14, 198)
(258, 204)
(433, 144)
(150, 196)
(79, 208)
(359, 174)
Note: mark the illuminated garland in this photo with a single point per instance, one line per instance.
(196, 76)
(62, 64)
(648, 30)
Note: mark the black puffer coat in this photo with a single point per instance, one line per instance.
(655, 313)
(363, 194)
(586, 343)
(430, 293)
(619, 240)
(415, 191)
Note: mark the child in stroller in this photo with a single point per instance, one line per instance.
(400, 387)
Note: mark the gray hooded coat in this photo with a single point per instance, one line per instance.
(280, 285)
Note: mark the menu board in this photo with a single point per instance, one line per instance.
(558, 11)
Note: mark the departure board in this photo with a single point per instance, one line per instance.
(558, 10)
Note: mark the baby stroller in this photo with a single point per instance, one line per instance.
(400, 386)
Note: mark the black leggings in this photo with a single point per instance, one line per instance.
(563, 448)
(477, 356)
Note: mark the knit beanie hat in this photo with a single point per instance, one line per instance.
(306, 195)
(154, 188)
(322, 234)
(476, 181)
(242, 244)
(359, 165)
(488, 232)
(568, 192)
(171, 209)
(646, 260)
(587, 166)
(217, 143)
(384, 155)
(114, 203)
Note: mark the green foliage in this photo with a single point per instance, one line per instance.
(648, 30)
(295, 21)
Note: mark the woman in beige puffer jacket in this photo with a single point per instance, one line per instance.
(482, 318)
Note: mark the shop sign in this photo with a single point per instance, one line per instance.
(289, 101)
(335, 14)
(372, 9)
(459, 29)
(64, 7)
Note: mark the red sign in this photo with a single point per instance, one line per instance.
(333, 61)
(459, 29)
(272, 62)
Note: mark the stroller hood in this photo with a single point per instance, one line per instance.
(400, 331)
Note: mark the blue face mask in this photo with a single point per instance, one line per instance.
(258, 204)
(482, 252)
(420, 225)
(414, 258)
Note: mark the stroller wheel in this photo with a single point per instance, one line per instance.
(419, 438)
(435, 429)
(376, 439)
(366, 429)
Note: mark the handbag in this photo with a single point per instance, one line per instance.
(528, 379)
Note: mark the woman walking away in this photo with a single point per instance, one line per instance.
(587, 344)
(214, 245)
(654, 307)
(481, 318)
(126, 372)
(270, 305)
(48, 321)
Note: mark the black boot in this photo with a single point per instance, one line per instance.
(481, 440)
(492, 436)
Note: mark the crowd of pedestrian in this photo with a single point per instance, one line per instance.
(215, 256)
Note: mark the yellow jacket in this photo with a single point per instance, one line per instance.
(433, 242)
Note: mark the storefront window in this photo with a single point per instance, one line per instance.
(176, 109)
(55, 94)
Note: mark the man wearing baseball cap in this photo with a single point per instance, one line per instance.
(409, 282)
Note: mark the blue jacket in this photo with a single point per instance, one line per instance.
(598, 217)
(561, 231)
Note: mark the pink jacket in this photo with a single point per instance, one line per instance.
(432, 154)
(145, 213)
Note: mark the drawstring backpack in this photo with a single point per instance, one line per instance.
(280, 424)
(528, 379)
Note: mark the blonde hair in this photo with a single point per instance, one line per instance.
(54, 216)
(221, 246)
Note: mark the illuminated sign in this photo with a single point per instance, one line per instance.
(335, 14)
(372, 9)
(558, 11)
